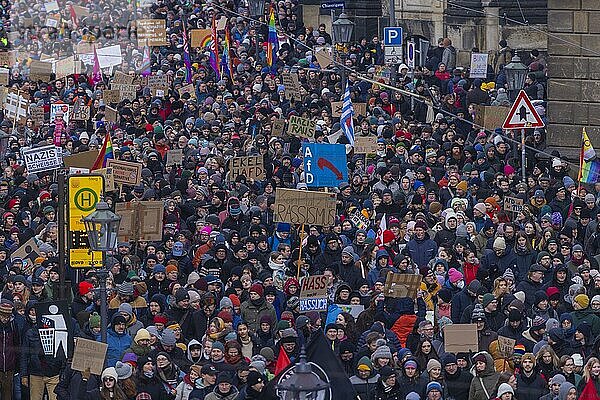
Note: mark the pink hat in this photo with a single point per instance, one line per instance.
(454, 275)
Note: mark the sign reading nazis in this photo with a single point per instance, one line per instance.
(302, 127)
(40, 159)
(304, 207)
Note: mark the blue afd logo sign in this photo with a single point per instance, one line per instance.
(324, 164)
(392, 36)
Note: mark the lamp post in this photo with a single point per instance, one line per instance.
(303, 384)
(256, 9)
(102, 227)
(342, 34)
(515, 72)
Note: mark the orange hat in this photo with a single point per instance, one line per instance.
(171, 268)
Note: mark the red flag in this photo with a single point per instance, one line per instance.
(97, 72)
(74, 17)
(282, 361)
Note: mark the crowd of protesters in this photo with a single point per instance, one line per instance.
(206, 312)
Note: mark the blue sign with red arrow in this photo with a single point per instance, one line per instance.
(324, 164)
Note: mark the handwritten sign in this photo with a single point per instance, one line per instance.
(188, 89)
(175, 157)
(401, 285)
(200, 37)
(277, 127)
(513, 204)
(125, 172)
(89, 354)
(302, 127)
(292, 85)
(152, 32)
(251, 167)
(304, 207)
(365, 145)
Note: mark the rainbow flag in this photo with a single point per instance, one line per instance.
(186, 55)
(214, 50)
(227, 61)
(105, 153)
(589, 165)
(272, 44)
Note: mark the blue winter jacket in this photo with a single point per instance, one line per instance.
(421, 251)
(117, 344)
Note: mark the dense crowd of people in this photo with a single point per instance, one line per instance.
(212, 309)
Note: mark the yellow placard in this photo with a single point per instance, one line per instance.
(84, 193)
(81, 258)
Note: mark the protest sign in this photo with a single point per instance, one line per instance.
(325, 165)
(126, 91)
(324, 56)
(51, 5)
(251, 167)
(359, 220)
(152, 32)
(506, 346)
(313, 293)
(4, 76)
(111, 96)
(336, 108)
(353, 310)
(140, 220)
(304, 207)
(365, 145)
(401, 285)
(40, 70)
(461, 338)
(81, 113)
(125, 172)
(175, 157)
(302, 127)
(277, 127)
(36, 114)
(27, 252)
(479, 65)
(110, 114)
(120, 77)
(109, 56)
(15, 106)
(64, 67)
(65, 108)
(84, 159)
(513, 204)
(490, 117)
(360, 109)
(292, 85)
(109, 179)
(40, 159)
(7, 58)
(189, 89)
(200, 37)
(89, 354)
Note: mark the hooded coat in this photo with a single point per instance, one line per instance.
(484, 383)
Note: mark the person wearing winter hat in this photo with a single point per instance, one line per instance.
(109, 388)
(141, 343)
(530, 383)
(484, 382)
(255, 383)
(365, 379)
(381, 357)
(93, 325)
(458, 380)
(388, 385)
(85, 298)
(253, 309)
(505, 392)
(124, 370)
(225, 388)
(434, 370)
(421, 247)
(118, 339)
(434, 391)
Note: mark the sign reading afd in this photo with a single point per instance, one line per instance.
(324, 164)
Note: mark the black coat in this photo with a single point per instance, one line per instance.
(532, 387)
(458, 385)
(70, 385)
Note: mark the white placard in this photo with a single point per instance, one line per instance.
(479, 63)
(40, 159)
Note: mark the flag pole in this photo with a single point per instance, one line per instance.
(580, 172)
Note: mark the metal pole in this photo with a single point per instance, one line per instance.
(102, 274)
(343, 59)
(392, 13)
(523, 155)
(62, 250)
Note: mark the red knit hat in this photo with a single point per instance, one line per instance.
(388, 236)
(235, 300)
(257, 288)
(160, 319)
(85, 287)
(225, 316)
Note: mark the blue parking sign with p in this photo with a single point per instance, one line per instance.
(392, 36)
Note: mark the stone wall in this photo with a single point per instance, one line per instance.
(574, 87)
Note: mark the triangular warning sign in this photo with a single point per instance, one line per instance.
(522, 114)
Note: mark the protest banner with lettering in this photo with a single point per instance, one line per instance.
(251, 167)
(401, 285)
(313, 293)
(36, 114)
(360, 220)
(325, 165)
(40, 159)
(189, 89)
(304, 207)
(513, 204)
(365, 145)
(292, 85)
(460, 338)
(111, 96)
(125, 172)
(302, 127)
(110, 114)
(65, 108)
(40, 70)
(120, 77)
(109, 179)
(89, 354)
(126, 91)
(140, 220)
(336, 108)
(81, 113)
(7, 58)
(506, 346)
(479, 65)
(152, 32)
(15, 106)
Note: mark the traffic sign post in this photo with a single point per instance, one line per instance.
(410, 55)
(392, 36)
(392, 42)
(84, 191)
(522, 115)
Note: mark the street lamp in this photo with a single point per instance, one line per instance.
(342, 34)
(303, 384)
(515, 72)
(102, 227)
(256, 9)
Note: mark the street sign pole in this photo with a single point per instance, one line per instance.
(523, 155)
(62, 238)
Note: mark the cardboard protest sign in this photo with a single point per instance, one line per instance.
(125, 172)
(313, 293)
(7, 58)
(120, 77)
(81, 113)
(506, 346)
(490, 117)
(109, 179)
(36, 114)
(251, 167)
(175, 157)
(40, 70)
(461, 338)
(513, 204)
(40, 159)
(401, 285)
(4, 76)
(152, 32)
(302, 127)
(292, 85)
(141, 220)
(200, 37)
(111, 96)
(360, 109)
(365, 145)
(304, 207)
(126, 91)
(89, 354)
(479, 65)
(188, 89)
(64, 67)
(277, 127)
(221, 23)
(324, 56)
(325, 165)
(28, 252)
(336, 108)
(84, 159)
(110, 114)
